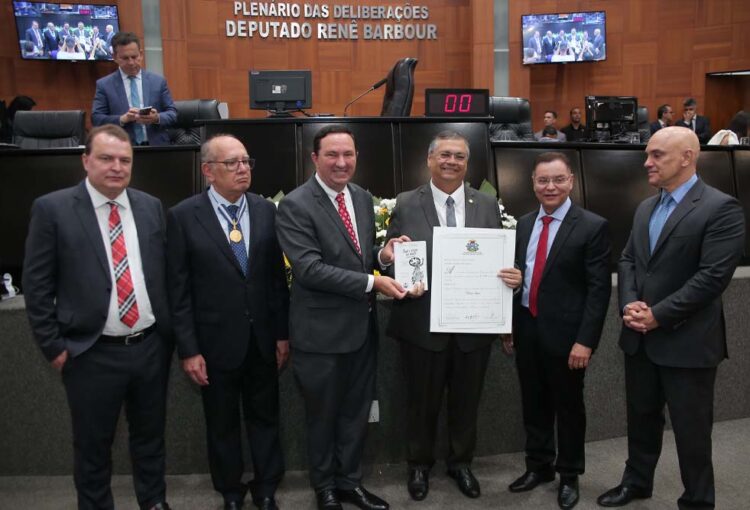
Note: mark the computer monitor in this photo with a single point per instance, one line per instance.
(611, 117)
(280, 92)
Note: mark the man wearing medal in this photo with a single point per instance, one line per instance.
(230, 302)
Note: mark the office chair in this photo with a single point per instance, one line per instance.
(644, 130)
(511, 119)
(186, 131)
(48, 129)
(399, 89)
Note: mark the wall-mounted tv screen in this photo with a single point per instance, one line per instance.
(52, 31)
(563, 38)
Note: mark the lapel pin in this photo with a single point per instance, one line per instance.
(471, 201)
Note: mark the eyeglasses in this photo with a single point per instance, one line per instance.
(233, 165)
(460, 157)
(557, 180)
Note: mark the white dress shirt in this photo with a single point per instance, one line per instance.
(113, 326)
(138, 83)
(459, 204)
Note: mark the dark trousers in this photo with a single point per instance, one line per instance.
(550, 391)
(253, 390)
(97, 384)
(689, 396)
(428, 375)
(338, 390)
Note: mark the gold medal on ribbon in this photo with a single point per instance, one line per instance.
(235, 235)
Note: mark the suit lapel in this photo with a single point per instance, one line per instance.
(427, 202)
(204, 213)
(525, 226)
(330, 210)
(470, 206)
(252, 214)
(364, 224)
(84, 209)
(687, 204)
(141, 227)
(566, 227)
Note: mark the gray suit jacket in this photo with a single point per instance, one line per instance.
(415, 216)
(683, 279)
(329, 309)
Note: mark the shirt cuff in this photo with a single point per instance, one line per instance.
(370, 283)
(383, 265)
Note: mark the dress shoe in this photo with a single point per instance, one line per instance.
(360, 497)
(418, 484)
(267, 503)
(328, 500)
(567, 493)
(233, 505)
(531, 479)
(622, 495)
(466, 481)
(160, 506)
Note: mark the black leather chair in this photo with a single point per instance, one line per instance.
(399, 89)
(185, 131)
(644, 129)
(511, 119)
(48, 129)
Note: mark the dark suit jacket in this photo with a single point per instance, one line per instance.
(31, 37)
(214, 306)
(415, 216)
(683, 280)
(66, 276)
(111, 101)
(702, 127)
(548, 46)
(329, 310)
(654, 126)
(51, 40)
(576, 282)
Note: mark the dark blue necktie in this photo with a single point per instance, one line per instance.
(238, 248)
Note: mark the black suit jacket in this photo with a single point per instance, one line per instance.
(654, 126)
(576, 282)
(415, 216)
(66, 276)
(214, 306)
(702, 128)
(693, 262)
(329, 311)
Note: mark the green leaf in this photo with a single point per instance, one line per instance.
(488, 188)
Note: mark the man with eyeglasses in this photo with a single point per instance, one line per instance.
(230, 308)
(434, 362)
(563, 253)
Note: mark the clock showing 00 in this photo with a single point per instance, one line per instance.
(457, 102)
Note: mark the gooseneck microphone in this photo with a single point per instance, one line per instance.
(377, 85)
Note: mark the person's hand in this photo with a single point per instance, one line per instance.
(151, 118)
(59, 362)
(389, 287)
(416, 290)
(195, 367)
(511, 276)
(386, 254)
(639, 317)
(579, 356)
(282, 354)
(507, 341)
(688, 115)
(129, 116)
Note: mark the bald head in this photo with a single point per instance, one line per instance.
(672, 157)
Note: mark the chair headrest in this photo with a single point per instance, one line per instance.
(49, 124)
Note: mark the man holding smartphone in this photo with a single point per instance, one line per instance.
(134, 98)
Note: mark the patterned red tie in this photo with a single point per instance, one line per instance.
(126, 305)
(347, 220)
(539, 260)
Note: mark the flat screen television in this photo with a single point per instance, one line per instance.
(280, 92)
(72, 32)
(611, 118)
(564, 37)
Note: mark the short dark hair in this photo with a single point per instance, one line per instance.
(106, 129)
(448, 135)
(123, 39)
(689, 102)
(739, 123)
(662, 110)
(553, 112)
(549, 131)
(331, 129)
(574, 108)
(549, 157)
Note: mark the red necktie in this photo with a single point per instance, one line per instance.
(539, 260)
(126, 305)
(347, 220)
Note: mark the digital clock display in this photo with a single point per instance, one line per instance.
(457, 102)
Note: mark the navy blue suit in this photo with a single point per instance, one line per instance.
(111, 101)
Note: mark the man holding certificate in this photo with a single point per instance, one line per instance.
(436, 361)
(563, 251)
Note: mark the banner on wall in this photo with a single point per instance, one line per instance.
(288, 20)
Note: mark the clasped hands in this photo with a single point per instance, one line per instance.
(132, 115)
(639, 317)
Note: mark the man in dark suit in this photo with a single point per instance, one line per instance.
(34, 36)
(663, 118)
(95, 286)
(683, 249)
(434, 362)
(121, 95)
(326, 227)
(697, 123)
(563, 252)
(81, 34)
(548, 45)
(230, 310)
(51, 40)
(575, 131)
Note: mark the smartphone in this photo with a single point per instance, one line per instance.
(146, 110)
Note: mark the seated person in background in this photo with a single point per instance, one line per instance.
(550, 134)
(71, 50)
(739, 127)
(563, 54)
(29, 50)
(550, 119)
(691, 120)
(663, 118)
(530, 56)
(575, 131)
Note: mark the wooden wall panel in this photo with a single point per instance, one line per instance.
(659, 51)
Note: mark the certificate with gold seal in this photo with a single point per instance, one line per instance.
(467, 294)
